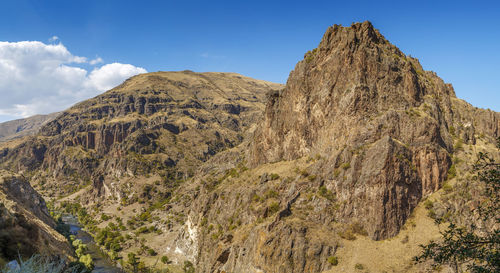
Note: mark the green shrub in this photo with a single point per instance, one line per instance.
(333, 260)
(452, 172)
(165, 260)
(143, 229)
(309, 56)
(447, 187)
(104, 217)
(271, 194)
(459, 145)
(133, 261)
(152, 252)
(87, 261)
(452, 130)
(188, 267)
(273, 208)
(428, 204)
(322, 191)
(359, 266)
(274, 176)
(256, 198)
(345, 165)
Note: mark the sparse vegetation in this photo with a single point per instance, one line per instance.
(273, 208)
(359, 266)
(274, 176)
(188, 267)
(333, 260)
(466, 246)
(452, 171)
(165, 260)
(309, 56)
(324, 192)
(38, 264)
(345, 165)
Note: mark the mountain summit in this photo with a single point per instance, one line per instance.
(358, 101)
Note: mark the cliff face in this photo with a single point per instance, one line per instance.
(26, 227)
(381, 121)
(357, 138)
(164, 122)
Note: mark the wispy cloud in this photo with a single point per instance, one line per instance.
(211, 56)
(53, 39)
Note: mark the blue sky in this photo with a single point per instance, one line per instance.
(260, 39)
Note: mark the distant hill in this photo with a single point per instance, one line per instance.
(23, 127)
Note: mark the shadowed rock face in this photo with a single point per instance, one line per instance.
(378, 118)
(26, 227)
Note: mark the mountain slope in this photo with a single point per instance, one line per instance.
(357, 138)
(163, 122)
(23, 127)
(26, 227)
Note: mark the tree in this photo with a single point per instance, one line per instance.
(133, 261)
(87, 261)
(165, 260)
(188, 267)
(476, 249)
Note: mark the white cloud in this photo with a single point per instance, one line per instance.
(97, 60)
(38, 78)
(110, 75)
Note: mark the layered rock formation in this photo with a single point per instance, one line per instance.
(163, 122)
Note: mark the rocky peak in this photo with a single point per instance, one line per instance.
(380, 121)
(361, 33)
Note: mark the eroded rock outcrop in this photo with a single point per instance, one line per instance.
(381, 121)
